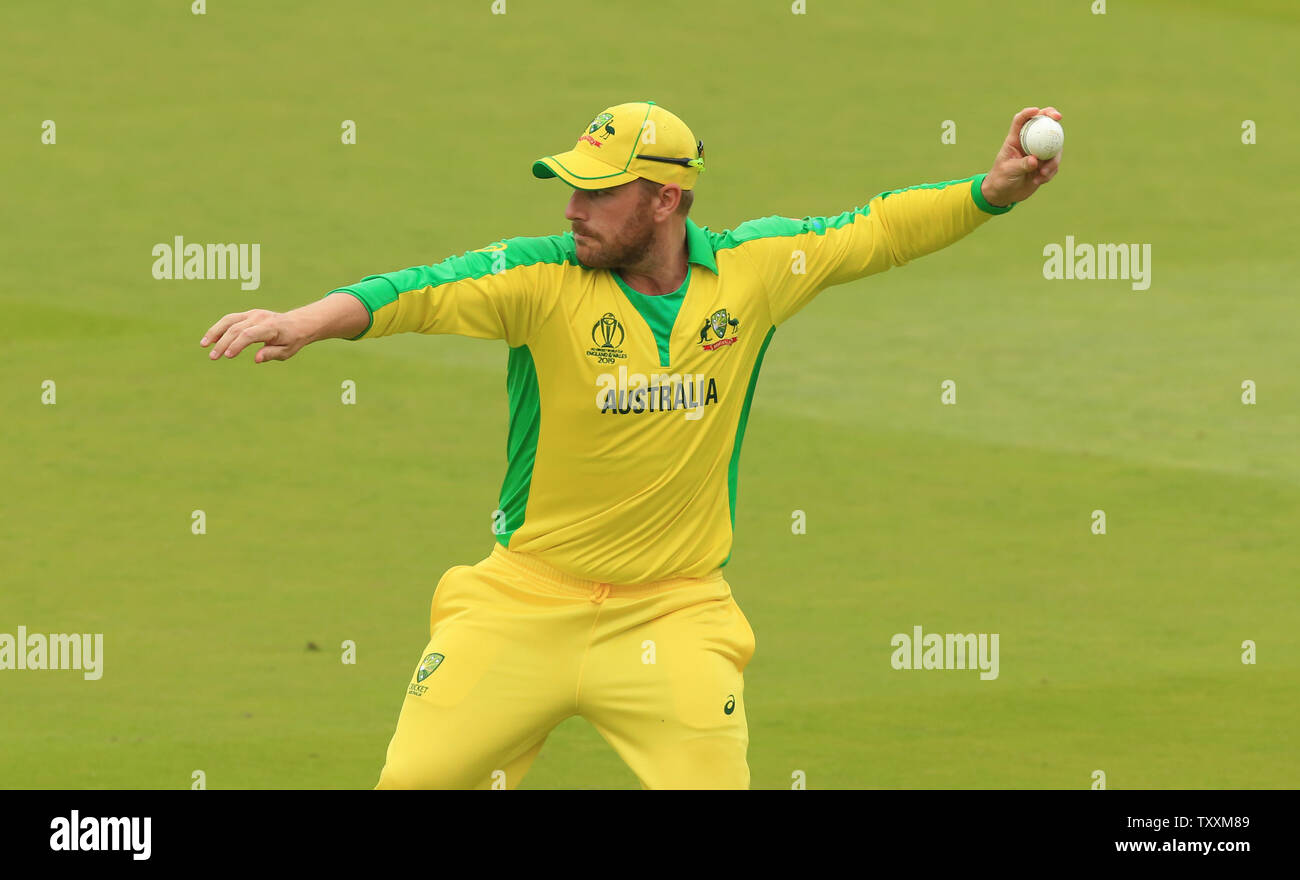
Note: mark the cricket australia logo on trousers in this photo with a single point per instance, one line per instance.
(427, 666)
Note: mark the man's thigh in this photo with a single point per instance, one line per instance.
(489, 685)
(665, 687)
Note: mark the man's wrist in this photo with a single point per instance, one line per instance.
(982, 197)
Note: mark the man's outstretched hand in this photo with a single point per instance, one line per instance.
(283, 334)
(1015, 176)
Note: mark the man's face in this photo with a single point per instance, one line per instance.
(611, 227)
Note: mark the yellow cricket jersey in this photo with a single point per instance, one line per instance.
(627, 411)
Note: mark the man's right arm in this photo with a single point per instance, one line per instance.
(285, 333)
(504, 291)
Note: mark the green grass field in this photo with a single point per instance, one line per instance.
(327, 522)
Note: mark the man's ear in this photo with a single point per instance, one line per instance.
(666, 198)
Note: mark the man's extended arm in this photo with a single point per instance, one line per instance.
(285, 333)
(798, 258)
(504, 291)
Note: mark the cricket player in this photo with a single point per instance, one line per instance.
(634, 341)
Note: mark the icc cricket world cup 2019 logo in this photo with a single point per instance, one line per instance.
(607, 334)
(609, 330)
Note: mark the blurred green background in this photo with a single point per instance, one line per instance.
(328, 522)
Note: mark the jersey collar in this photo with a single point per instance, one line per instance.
(699, 249)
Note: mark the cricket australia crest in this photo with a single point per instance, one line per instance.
(720, 323)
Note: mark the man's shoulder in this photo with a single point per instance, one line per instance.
(762, 229)
(527, 250)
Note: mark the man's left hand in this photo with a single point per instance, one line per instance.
(1015, 176)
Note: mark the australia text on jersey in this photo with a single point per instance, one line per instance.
(657, 392)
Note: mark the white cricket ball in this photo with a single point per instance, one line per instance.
(1042, 136)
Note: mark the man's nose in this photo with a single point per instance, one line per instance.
(572, 212)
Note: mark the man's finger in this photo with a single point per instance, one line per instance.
(1047, 169)
(247, 336)
(227, 337)
(271, 353)
(218, 329)
(1019, 120)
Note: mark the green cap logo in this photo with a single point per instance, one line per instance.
(427, 665)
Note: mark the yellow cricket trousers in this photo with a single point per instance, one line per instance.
(517, 646)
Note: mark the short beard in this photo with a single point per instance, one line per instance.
(630, 244)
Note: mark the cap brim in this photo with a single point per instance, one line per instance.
(581, 171)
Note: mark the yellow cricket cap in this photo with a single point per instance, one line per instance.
(625, 142)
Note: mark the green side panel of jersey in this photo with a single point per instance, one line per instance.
(660, 312)
(733, 470)
(521, 439)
